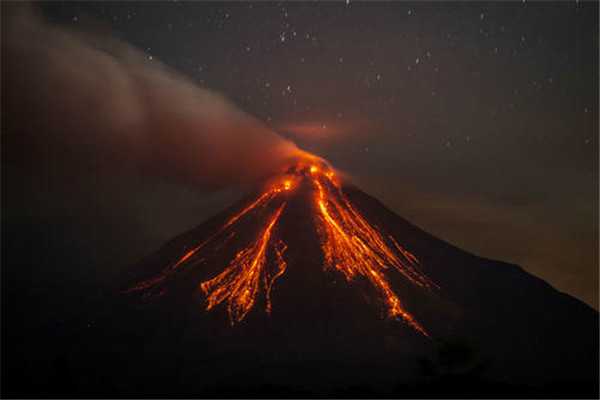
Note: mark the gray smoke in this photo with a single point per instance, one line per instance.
(76, 101)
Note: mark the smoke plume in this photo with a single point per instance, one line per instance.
(76, 101)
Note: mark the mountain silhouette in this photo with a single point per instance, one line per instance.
(311, 287)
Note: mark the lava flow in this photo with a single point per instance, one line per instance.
(350, 244)
(239, 283)
(354, 247)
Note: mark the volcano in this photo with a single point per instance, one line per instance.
(349, 245)
(312, 287)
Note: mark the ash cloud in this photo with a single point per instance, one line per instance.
(78, 101)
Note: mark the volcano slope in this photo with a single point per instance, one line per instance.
(311, 287)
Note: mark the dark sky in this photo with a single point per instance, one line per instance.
(476, 121)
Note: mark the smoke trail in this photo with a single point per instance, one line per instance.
(75, 101)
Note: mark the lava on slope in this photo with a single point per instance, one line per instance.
(350, 245)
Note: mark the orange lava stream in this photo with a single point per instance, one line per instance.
(239, 283)
(270, 280)
(262, 198)
(165, 273)
(384, 255)
(353, 247)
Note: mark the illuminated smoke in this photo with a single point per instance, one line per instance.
(77, 101)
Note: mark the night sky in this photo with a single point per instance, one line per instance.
(478, 122)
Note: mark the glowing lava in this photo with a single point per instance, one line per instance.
(239, 283)
(350, 245)
(354, 247)
(188, 257)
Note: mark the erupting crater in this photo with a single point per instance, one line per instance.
(350, 245)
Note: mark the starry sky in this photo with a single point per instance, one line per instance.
(478, 121)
